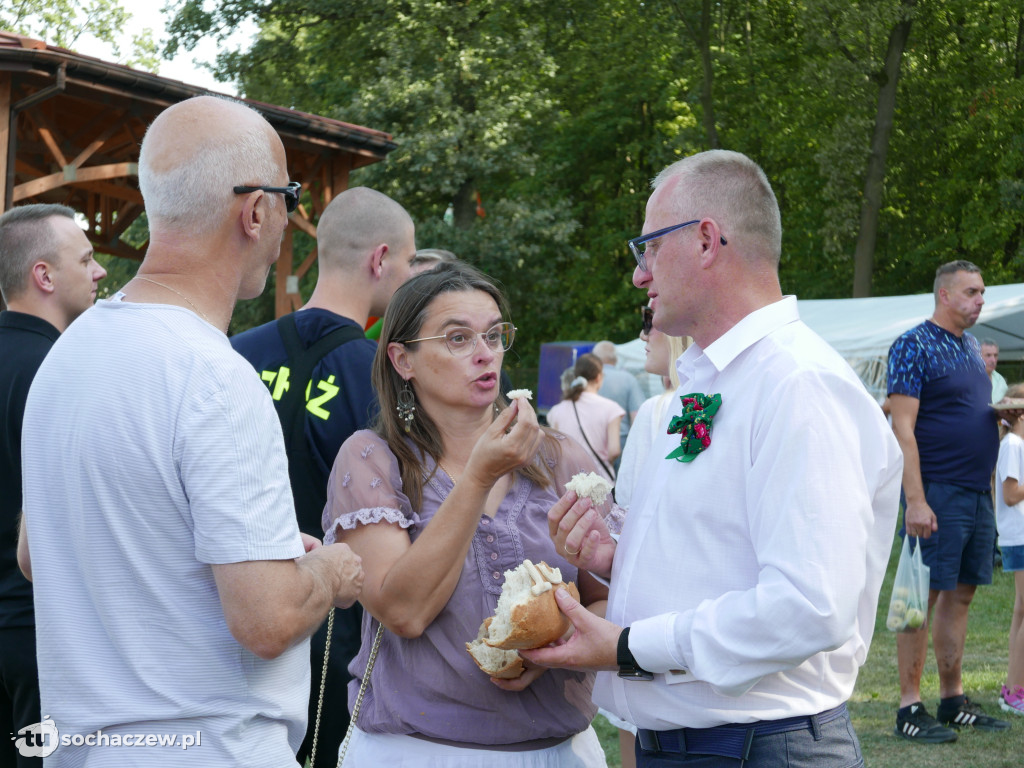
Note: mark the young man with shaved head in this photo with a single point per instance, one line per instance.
(48, 277)
(316, 363)
(174, 592)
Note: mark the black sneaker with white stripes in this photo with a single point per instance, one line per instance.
(970, 715)
(915, 724)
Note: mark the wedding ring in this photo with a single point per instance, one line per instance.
(571, 554)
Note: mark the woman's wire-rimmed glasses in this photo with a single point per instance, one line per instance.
(461, 341)
(638, 244)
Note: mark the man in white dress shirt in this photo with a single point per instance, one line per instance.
(174, 592)
(745, 583)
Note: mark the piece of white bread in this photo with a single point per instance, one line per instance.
(506, 665)
(527, 615)
(590, 484)
(513, 394)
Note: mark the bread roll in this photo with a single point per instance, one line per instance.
(494, 661)
(527, 615)
(590, 484)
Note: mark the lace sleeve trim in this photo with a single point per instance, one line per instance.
(367, 516)
(615, 518)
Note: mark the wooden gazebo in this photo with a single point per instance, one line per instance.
(71, 126)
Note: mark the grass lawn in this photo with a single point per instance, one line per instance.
(874, 702)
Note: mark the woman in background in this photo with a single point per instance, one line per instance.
(586, 417)
(652, 417)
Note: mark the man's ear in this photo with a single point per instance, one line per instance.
(400, 359)
(42, 276)
(708, 236)
(377, 259)
(252, 215)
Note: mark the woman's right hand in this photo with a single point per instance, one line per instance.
(505, 447)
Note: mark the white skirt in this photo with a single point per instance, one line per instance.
(372, 750)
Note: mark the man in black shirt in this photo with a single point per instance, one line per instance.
(48, 278)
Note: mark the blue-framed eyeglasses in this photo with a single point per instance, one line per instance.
(291, 193)
(638, 244)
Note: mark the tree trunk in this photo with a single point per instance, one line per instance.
(874, 178)
(464, 205)
(706, 98)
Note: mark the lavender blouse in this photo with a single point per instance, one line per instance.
(430, 685)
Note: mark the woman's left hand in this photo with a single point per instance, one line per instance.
(531, 672)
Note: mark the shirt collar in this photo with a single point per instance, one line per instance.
(27, 322)
(747, 332)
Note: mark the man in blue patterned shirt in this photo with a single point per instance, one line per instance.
(939, 395)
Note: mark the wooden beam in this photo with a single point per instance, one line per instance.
(72, 175)
(5, 132)
(282, 304)
(98, 142)
(22, 166)
(300, 222)
(126, 214)
(116, 191)
(306, 264)
(47, 136)
(120, 248)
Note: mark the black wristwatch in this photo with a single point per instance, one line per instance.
(628, 668)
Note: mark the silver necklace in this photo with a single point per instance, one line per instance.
(175, 290)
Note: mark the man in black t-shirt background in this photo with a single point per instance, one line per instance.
(48, 277)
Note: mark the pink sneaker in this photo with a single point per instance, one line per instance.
(1012, 702)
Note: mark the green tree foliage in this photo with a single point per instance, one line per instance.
(559, 114)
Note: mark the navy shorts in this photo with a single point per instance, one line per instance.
(1013, 558)
(960, 552)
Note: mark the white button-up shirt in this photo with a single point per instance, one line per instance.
(750, 576)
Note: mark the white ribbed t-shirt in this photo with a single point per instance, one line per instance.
(151, 451)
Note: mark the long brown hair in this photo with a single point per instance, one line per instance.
(402, 321)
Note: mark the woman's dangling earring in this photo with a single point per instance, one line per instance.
(406, 407)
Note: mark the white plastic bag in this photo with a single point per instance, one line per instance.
(908, 606)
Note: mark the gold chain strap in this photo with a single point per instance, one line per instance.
(359, 698)
(323, 685)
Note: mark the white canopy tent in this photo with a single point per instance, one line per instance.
(862, 330)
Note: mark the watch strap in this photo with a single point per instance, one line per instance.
(629, 669)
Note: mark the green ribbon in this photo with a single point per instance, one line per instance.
(694, 425)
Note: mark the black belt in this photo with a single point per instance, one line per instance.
(732, 741)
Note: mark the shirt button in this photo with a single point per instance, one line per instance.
(485, 521)
(496, 575)
(490, 538)
(494, 555)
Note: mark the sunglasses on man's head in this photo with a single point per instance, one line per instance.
(647, 315)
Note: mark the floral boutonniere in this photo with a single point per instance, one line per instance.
(694, 426)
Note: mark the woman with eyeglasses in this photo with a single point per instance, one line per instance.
(587, 417)
(449, 490)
